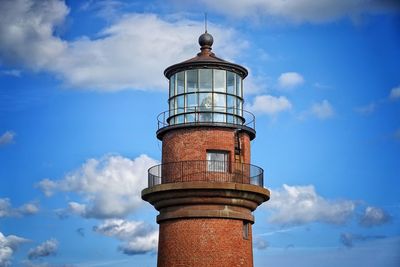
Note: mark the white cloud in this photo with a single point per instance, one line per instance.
(8, 245)
(47, 248)
(296, 205)
(137, 236)
(302, 11)
(270, 105)
(26, 32)
(395, 93)
(348, 239)
(14, 73)
(367, 109)
(323, 110)
(260, 243)
(131, 53)
(290, 80)
(374, 216)
(7, 138)
(111, 187)
(6, 209)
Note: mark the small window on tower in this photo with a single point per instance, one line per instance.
(217, 161)
(246, 230)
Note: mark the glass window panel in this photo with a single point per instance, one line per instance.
(230, 82)
(171, 107)
(191, 81)
(205, 101)
(239, 86)
(180, 82)
(180, 104)
(218, 117)
(205, 116)
(239, 107)
(231, 104)
(217, 161)
(190, 117)
(219, 81)
(220, 102)
(229, 118)
(179, 119)
(172, 121)
(172, 86)
(191, 102)
(205, 80)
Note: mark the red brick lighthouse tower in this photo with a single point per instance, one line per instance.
(205, 189)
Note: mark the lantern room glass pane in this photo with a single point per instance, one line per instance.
(239, 107)
(190, 117)
(239, 90)
(191, 102)
(219, 117)
(205, 80)
(179, 119)
(172, 86)
(230, 82)
(231, 103)
(180, 82)
(205, 101)
(171, 107)
(219, 81)
(220, 102)
(191, 80)
(180, 104)
(229, 118)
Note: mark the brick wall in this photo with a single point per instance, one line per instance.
(192, 143)
(204, 242)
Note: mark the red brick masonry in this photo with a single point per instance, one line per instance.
(204, 242)
(192, 143)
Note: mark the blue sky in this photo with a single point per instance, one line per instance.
(81, 84)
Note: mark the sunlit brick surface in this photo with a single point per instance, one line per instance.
(193, 142)
(204, 242)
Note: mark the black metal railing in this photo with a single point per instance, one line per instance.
(207, 171)
(203, 115)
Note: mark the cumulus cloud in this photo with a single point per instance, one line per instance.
(395, 93)
(374, 216)
(7, 138)
(290, 80)
(26, 32)
(302, 11)
(129, 53)
(8, 245)
(137, 236)
(110, 186)
(6, 209)
(296, 205)
(260, 243)
(269, 104)
(47, 248)
(348, 239)
(322, 110)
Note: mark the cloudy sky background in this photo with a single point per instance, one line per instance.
(81, 84)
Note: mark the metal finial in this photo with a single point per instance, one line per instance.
(205, 21)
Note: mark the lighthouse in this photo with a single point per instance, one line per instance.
(205, 188)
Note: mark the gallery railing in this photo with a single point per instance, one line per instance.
(207, 171)
(206, 115)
